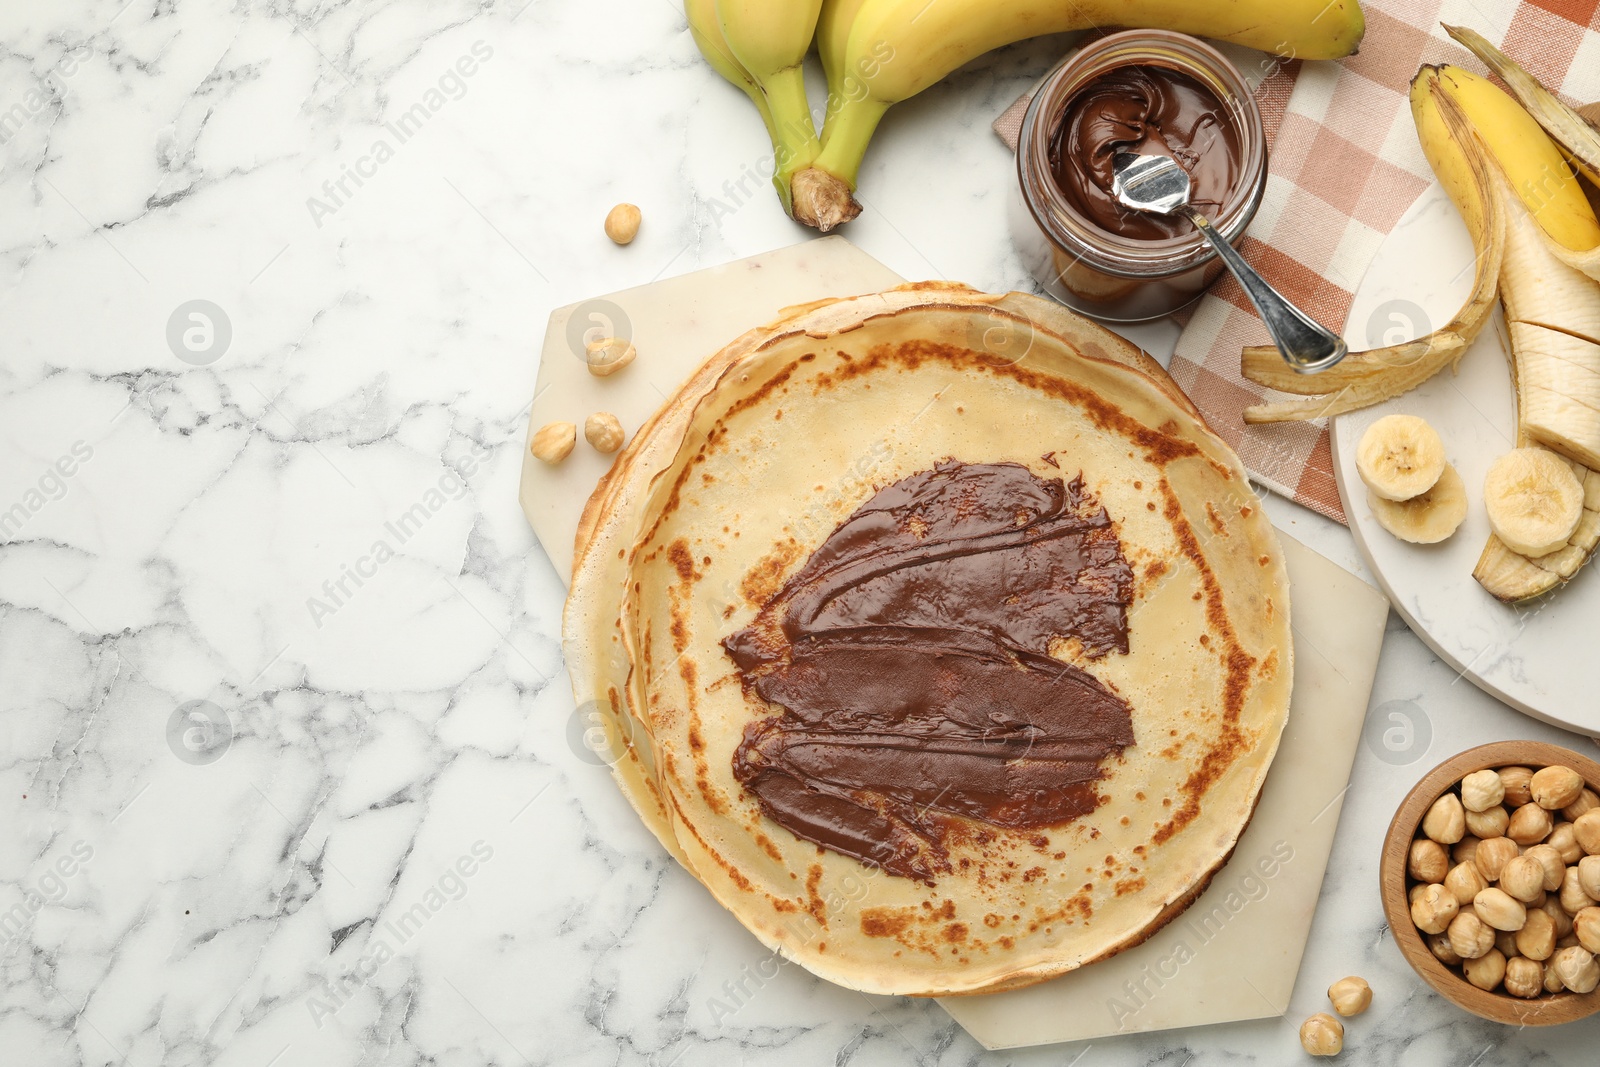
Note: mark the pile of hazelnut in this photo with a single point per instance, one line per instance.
(1506, 880)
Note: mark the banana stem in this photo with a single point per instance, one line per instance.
(846, 135)
(794, 135)
(821, 193)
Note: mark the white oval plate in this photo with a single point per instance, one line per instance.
(1538, 657)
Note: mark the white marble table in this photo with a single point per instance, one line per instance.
(289, 771)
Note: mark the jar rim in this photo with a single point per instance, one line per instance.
(1075, 234)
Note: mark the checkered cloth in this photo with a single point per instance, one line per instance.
(1344, 166)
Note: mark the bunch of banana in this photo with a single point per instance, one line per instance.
(879, 52)
(1538, 244)
(760, 46)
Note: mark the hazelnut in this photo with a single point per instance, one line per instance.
(1523, 878)
(1515, 782)
(553, 443)
(607, 355)
(1586, 828)
(1465, 881)
(1569, 941)
(1470, 937)
(1560, 921)
(1439, 945)
(1550, 860)
(1506, 942)
(1552, 980)
(1500, 909)
(1463, 851)
(1429, 862)
(1493, 855)
(1565, 842)
(1487, 970)
(1573, 898)
(1577, 969)
(1589, 876)
(1415, 892)
(1491, 822)
(1529, 825)
(1433, 909)
(1524, 978)
(1537, 938)
(1322, 1035)
(1555, 787)
(1586, 927)
(603, 431)
(622, 223)
(1446, 821)
(1350, 996)
(1482, 790)
(1587, 801)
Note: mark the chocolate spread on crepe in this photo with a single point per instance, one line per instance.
(910, 656)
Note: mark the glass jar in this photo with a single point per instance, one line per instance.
(1091, 270)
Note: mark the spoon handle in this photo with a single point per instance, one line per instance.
(1303, 342)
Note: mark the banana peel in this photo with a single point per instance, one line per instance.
(1492, 158)
(1362, 379)
(1577, 137)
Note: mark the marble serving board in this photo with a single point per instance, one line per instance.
(1537, 656)
(1236, 952)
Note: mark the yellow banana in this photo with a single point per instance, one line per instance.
(897, 48)
(706, 30)
(770, 39)
(707, 33)
(833, 37)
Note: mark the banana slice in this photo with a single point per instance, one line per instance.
(1533, 499)
(1400, 457)
(1428, 518)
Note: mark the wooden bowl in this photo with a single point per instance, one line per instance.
(1501, 1007)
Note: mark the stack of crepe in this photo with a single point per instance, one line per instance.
(937, 636)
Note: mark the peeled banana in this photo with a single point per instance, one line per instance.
(1428, 518)
(1400, 457)
(880, 52)
(1533, 228)
(1512, 576)
(1533, 499)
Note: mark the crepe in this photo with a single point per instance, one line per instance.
(752, 467)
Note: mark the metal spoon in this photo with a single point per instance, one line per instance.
(1158, 184)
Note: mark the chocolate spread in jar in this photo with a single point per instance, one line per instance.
(910, 659)
(1146, 111)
